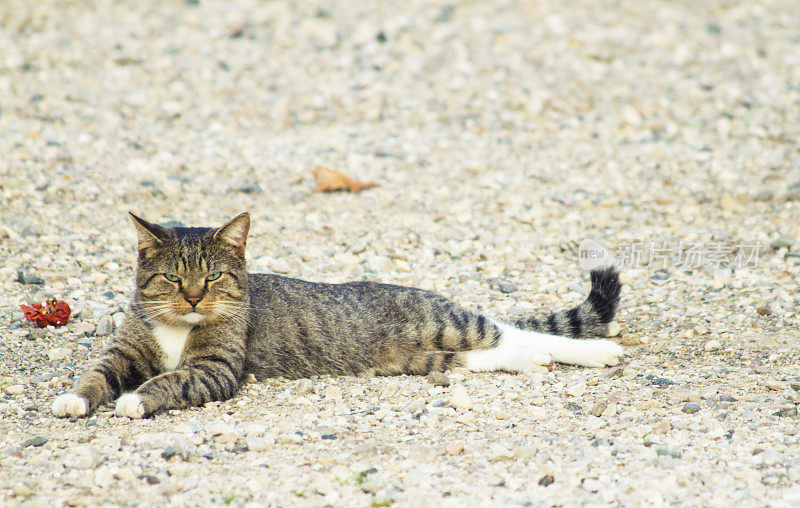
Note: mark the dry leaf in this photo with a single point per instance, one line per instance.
(331, 180)
(55, 312)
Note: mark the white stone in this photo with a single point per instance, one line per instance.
(118, 318)
(258, 444)
(216, 429)
(460, 399)
(576, 390)
(15, 390)
(57, 354)
(613, 329)
(255, 429)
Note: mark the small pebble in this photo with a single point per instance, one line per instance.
(507, 287)
(460, 399)
(257, 444)
(15, 390)
(691, 408)
(546, 480)
(438, 379)
(57, 354)
(35, 441)
(21, 490)
(305, 386)
(25, 276)
(454, 448)
(613, 329)
(668, 453)
(782, 242)
(576, 390)
(787, 412)
(289, 438)
(764, 195)
(251, 188)
(598, 408)
(334, 393)
(105, 326)
(216, 429)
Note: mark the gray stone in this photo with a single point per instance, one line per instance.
(26, 276)
(251, 188)
(691, 408)
(764, 195)
(105, 326)
(507, 287)
(782, 242)
(35, 441)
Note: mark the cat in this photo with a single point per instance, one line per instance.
(198, 324)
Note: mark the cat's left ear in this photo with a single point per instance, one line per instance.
(234, 233)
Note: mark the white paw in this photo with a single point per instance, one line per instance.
(129, 405)
(537, 362)
(600, 353)
(69, 404)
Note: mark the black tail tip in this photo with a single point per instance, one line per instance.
(604, 296)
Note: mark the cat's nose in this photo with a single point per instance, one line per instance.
(193, 300)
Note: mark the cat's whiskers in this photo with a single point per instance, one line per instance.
(233, 311)
(152, 310)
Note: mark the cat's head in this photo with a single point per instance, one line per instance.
(191, 276)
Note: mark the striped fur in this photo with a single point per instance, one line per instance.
(199, 323)
(590, 318)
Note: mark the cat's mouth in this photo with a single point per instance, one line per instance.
(193, 317)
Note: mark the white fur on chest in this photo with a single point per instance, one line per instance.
(171, 339)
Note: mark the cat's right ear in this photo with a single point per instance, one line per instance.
(150, 235)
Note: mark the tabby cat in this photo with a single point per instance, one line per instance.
(198, 324)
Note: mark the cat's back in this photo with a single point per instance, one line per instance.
(269, 289)
(298, 328)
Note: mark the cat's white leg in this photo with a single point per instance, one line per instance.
(69, 404)
(586, 353)
(130, 405)
(511, 354)
(506, 358)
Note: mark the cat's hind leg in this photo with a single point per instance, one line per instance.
(583, 352)
(508, 358)
(458, 337)
(479, 360)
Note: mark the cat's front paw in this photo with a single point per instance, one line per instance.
(130, 405)
(69, 404)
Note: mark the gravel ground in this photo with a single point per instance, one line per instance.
(502, 134)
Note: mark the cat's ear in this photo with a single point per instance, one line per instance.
(150, 235)
(234, 233)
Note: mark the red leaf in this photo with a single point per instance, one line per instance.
(56, 313)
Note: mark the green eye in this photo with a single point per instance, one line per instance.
(214, 276)
(171, 277)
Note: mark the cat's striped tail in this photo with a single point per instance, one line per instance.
(590, 318)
